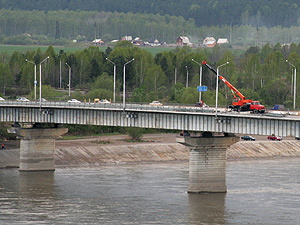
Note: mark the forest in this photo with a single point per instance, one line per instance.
(62, 27)
(60, 22)
(169, 76)
(267, 13)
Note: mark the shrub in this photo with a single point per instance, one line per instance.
(135, 133)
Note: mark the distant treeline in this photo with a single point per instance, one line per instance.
(267, 13)
(59, 27)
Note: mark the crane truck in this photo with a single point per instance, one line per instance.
(240, 102)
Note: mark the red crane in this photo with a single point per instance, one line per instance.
(240, 102)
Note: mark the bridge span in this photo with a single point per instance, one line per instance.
(146, 116)
(207, 164)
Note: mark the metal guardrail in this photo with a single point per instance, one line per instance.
(118, 106)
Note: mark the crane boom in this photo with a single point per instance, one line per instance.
(233, 89)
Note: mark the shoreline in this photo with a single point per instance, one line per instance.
(156, 148)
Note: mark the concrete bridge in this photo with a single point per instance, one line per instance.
(209, 132)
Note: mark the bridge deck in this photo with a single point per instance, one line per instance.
(146, 116)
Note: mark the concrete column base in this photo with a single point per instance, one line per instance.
(207, 165)
(37, 147)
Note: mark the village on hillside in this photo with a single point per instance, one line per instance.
(208, 42)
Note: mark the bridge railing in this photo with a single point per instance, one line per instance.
(118, 106)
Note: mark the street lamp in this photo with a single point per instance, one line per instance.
(59, 73)
(41, 80)
(69, 79)
(124, 86)
(114, 97)
(200, 78)
(187, 76)
(217, 87)
(295, 72)
(35, 81)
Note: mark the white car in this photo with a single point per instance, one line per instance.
(155, 103)
(22, 99)
(104, 101)
(74, 101)
(2, 99)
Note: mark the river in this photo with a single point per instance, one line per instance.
(259, 192)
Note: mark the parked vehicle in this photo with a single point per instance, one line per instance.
(155, 103)
(74, 101)
(201, 104)
(22, 99)
(240, 102)
(104, 101)
(248, 138)
(184, 133)
(274, 138)
(278, 107)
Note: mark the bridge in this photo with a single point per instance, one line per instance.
(212, 132)
(146, 116)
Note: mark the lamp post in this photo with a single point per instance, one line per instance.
(114, 97)
(295, 72)
(41, 80)
(35, 81)
(187, 76)
(217, 87)
(60, 73)
(124, 86)
(69, 78)
(200, 78)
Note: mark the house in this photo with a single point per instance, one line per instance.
(183, 41)
(154, 43)
(137, 41)
(222, 41)
(209, 42)
(98, 42)
(127, 38)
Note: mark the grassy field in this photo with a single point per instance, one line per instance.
(10, 49)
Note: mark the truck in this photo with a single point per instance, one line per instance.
(240, 103)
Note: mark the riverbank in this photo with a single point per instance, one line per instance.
(153, 149)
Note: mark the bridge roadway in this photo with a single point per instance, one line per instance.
(146, 116)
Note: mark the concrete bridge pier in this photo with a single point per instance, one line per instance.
(207, 163)
(37, 147)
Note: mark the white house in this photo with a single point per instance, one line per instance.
(209, 42)
(222, 41)
(98, 42)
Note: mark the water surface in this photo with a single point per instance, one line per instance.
(259, 192)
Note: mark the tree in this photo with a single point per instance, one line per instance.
(140, 95)
(5, 77)
(103, 82)
(155, 78)
(176, 92)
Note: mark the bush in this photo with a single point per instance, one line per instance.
(135, 133)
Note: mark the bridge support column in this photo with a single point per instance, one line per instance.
(207, 163)
(37, 147)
